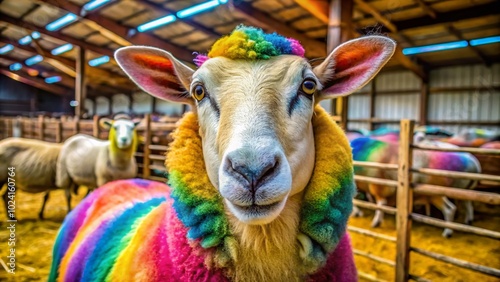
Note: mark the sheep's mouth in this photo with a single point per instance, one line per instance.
(258, 209)
(257, 214)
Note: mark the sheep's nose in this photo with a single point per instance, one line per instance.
(252, 168)
(123, 139)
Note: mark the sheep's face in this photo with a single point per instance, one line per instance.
(255, 116)
(255, 123)
(121, 132)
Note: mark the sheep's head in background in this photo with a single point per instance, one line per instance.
(122, 133)
(254, 109)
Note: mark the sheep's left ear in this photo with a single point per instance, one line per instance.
(106, 123)
(352, 65)
(136, 123)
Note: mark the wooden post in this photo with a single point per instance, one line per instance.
(110, 106)
(404, 201)
(80, 83)
(373, 91)
(58, 131)
(77, 125)
(95, 126)
(153, 106)
(131, 102)
(94, 107)
(33, 105)
(339, 31)
(424, 103)
(8, 128)
(40, 127)
(147, 136)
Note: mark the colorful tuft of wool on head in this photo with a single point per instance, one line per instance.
(251, 43)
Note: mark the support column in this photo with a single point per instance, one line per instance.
(339, 31)
(373, 92)
(80, 83)
(153, 106)
(424, 103)
(110, 105)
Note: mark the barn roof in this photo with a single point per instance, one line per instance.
(112, 24)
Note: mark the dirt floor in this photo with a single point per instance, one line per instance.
(35, 239)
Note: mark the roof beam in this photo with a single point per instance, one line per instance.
(314, 48)
(319, 9)
(122, 83)
(35, 82)
(118, 33)
(94, 48)
(451, 29)
(66, 80)
(367, 8)
(428, 10)
(195, 25)
(475, 11)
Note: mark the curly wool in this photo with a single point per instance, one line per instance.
(250, 43)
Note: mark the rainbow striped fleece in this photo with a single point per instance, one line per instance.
(138, 230)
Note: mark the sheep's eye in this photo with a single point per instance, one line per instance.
(309, 87)
(198, 92)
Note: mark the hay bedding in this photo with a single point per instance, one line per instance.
(35, 239)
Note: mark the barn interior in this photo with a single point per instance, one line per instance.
(59, 78)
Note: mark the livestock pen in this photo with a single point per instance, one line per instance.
(382, 255)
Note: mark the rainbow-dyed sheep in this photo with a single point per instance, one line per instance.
(260, 177)
(372, 150)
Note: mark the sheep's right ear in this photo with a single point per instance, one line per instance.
(157, 72)
(106, 123)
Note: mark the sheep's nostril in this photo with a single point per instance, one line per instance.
(253, 172)
(123, 139)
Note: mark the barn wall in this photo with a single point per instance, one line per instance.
(142, 104)
(15, 99)
(474, 105)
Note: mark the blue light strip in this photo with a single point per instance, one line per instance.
(53, 79)
(99, 61)
(25, 40)
(198, 8)
(15, 66)
(435, 47)
(33, 60)
(486, 40)
(181, 14)
(156, 23)
(59, 23)
(36, 35)
(6, 49)
(92, 5)
(61, 49)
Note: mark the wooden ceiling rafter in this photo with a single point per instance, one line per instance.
(485, 60)
(257, 18)
(475, 11)
(188, 21)
(121, 34)
(36, 82)
(66, 80)
(121, 82)
(55, 34)
(427, 9)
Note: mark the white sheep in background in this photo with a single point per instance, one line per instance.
(88, 161)
(261, 177)
(34, 164)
